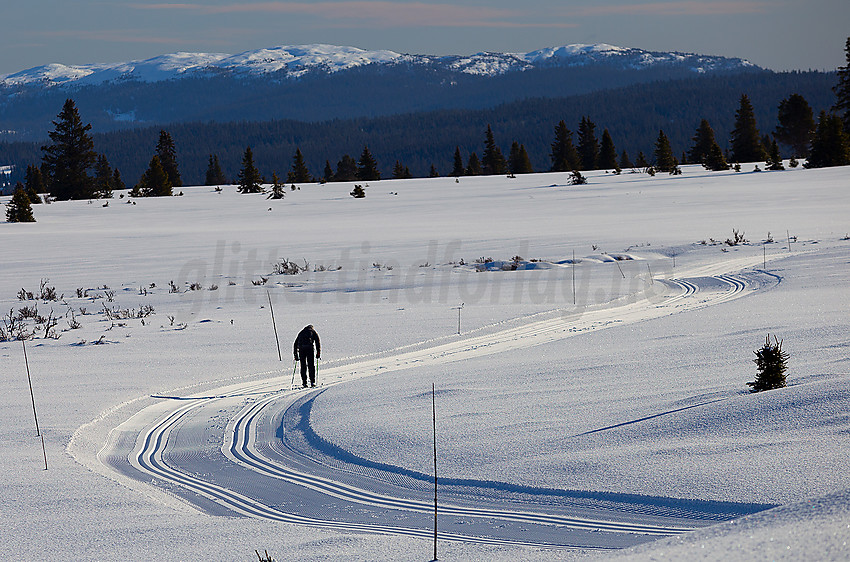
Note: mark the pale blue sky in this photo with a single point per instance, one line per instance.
(777, 34)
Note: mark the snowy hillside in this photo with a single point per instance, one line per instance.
(297, 61)
(589, 345)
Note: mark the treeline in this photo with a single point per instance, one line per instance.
(425, 143)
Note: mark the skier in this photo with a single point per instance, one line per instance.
(303, 350)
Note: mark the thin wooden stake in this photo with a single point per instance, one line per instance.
(32, 395)
(574, 276)
(434, 419)
(788, 234)
(274, 324)
(764, 253)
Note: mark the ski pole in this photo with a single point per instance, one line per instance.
(317, 371)
(294, 368)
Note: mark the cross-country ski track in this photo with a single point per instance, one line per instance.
(247, 449)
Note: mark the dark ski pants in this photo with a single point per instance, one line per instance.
(307, 362)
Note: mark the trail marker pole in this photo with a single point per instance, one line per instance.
(434, 420)
(459, 308)
(274, 325)
(32, 395)
(764, 255)
(44, 451)
(573, 268)
(620, 268)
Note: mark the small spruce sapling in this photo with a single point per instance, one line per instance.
(771, 363)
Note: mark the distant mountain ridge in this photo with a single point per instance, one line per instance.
(296, 61)
(316, 83)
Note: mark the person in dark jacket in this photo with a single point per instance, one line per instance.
(303, 350)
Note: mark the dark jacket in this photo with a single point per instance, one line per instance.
(304, 342)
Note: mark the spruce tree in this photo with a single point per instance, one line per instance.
(367, 166)
(564, 155)
(796, 124)
(771, 363)
(433, 173)
(117, 182)
(458, 169)
(842, 90)
(299, 172)
(249, 177)
(278, 189)
(214, 175)
(34, 184)
(607, 153)
(745, 140)
(328, 174)
(714, 160)
(492, 160)
(103, 177)
(830, 144)
(641, 161)
(473, 168)
(19, 208)
(774, 159)
(154, 181)
(168, 158)
(703, 142)
(70, 156)
(518, 161)
(625, 161)
(588, 146)
(346, 169)
(664, 159)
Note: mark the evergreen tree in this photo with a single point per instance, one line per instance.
(346, 169)
(772, 363)
(19, 208)
(714, 160)
(299, 172)
(214, 175)
(664, 159)
(704, 141)
(588, 146)
(34, 184)
(607, 153)
(154, 181)
(117, 182)
(328, 174)
(398, 171)
(278, 189)
(518, 161)
(358, 192)
(842, 89)
(641, 160)
(564, 155)
(830, 145)
(492, 161)
(168, 158)
(796, 124)
(249, 177)
(458, 169)
(473, 168)
(103, 177)
(433, 173)
(367, 166)
(745, 141)
(68, 159)
(625, 161)
(774, 160)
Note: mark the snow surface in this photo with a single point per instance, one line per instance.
(655, 406)
(296, 60)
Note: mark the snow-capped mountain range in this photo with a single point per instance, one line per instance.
(296, 61)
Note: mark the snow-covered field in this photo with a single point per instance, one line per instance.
(634, 396)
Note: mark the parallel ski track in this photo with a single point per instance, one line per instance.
(242, 450)
(240, 440)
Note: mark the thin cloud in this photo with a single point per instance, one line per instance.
(685, 8)
(376, 13)
(112, 37)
